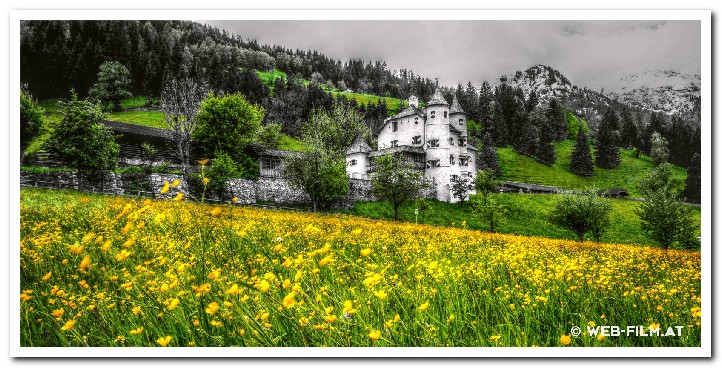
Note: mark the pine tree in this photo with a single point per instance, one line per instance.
(488, 158)
(628, 131)
(555, 121)
(581, 160)
(607, 155)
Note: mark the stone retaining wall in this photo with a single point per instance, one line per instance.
(266, 190)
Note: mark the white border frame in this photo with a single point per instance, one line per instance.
(704, 16)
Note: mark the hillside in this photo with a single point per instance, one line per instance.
(520, 168)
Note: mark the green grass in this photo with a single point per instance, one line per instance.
(270, 77)
(392, 104)
(517, 167)
(527, 215)
(291, 144)
(153, 119)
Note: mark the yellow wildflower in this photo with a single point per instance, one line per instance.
(375, 335)
(565, 339)
(164, 341)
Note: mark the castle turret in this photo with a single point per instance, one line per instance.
(413, 101)
(457, 117)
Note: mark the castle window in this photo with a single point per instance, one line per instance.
(454, 178)
(416, 120)
(461, 121)
(394, 126)
(394, 143)
(451, 159)
(416, 140)
(418, 158)
(444, 114)
(463, 161)
(352, 163)
(432, 163)
(451, 141)
(432, 143)
(462, 142)
(433, 114)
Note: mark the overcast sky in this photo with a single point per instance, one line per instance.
(592, 54)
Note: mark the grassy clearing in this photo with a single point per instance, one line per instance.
(516, 167)
(153, 119)
(110, 271)
(291, 144)
(527, 215)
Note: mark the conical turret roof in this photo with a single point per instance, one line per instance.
(437, 99)
(358, 145)
(455, 107)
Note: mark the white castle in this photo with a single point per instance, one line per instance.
(435, 137)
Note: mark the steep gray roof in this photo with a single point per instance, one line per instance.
(265, 151)
(359, 145)
(437, 99)
(409, 111)
(455, 107)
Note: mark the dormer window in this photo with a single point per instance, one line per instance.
(416, 140)
(432, 143)
(451, 141)
(394, 143)
(352, 163)
(394, 126)
(445, 114)
(461, 121)
(451, 159)
(433, 114)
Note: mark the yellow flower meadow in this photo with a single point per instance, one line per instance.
(96, 268)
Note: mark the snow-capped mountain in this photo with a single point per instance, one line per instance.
(660, 91)
(549, 83)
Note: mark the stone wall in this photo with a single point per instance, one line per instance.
(266, 190)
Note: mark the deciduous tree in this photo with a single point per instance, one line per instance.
(397, 180)
(113, 84)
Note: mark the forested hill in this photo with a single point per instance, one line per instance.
(57, 55)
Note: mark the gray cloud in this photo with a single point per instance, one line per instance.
(594, 54)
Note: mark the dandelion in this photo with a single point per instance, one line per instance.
(179, 197)
(84, 263)
(600, 337)
(263, 286)
(203, 162)
(159, 217)
(380, 294)
(214, 274)
(206, 180)
(375, 335)
(58, 312)
(173, 304)
(366, 252)
(212, 308)
(216, 211)
(330, 318)
(289, 300)
(356, 231)
(164, 341)
(495, 337)
(68, 325)
(233, 290)
(165, 189)
(234, 199)
(565, 339)
(137, 331)
(424, 306)
(122, 255)
(397, 318)
(47, 276)
(176, 183)
(137, 310)
(450, 319)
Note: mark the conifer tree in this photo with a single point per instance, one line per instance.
(628, 131)
(581, 160)
(693, 184)
(488, 159)
(607, 155)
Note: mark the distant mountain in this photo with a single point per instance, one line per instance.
(660, 91)
(549, 83)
